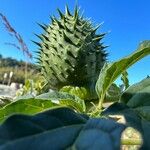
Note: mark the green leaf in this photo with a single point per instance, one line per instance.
(135, 108)
(55, 96)
(64, 98)
(144, 44)
(138, 97)
(111, 71)
(4, 101)
(28, 104)
(26, 96)
(59, 128)
(125, 80)
(134, 89)
(133, 119)
(146, 131)
(25, 106)
(77, 105)
(81, 92)
(113, 93)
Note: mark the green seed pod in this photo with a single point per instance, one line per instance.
(70, 51)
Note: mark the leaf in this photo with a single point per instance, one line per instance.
(125, 80)
(26, 96)
(138, 97)
(146, 130)
(64, 98)
(137, 108)
(56, 96)
(132, 119)
(144, 44)
(59, 128)
(25, 106)
(4, 101)
(73, 104)
(134, 89)
(113, 93)
(81, 92)
(111, 71)
(99, 133)
(28, 104)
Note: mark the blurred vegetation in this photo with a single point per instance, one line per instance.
(9, 64)
(34, 87)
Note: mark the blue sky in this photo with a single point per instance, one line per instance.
(128, 22)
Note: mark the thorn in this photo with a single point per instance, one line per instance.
(45, 37)
(45, 25)
(51, 27)
(95, 29)
(67, 39)
(39, 36)
(42, 26)
(67, 29)
(52, 19)
(76, 12)
(87, 35)
(97, 38)
(37, 52)
(75, 23)
(59, 24)
(67, 10)
(46, 45)
(83, 24)
(36, 43)
(60, 13)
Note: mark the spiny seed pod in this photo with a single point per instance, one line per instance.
(70, 52)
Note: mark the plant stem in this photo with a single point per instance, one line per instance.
(100, 104)
(131, 141)
(99, 107)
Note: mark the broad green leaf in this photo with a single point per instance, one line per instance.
(146, 130)
(56, 96)
(25, 106)
(140, 98)
(77, 105)
(133, 119)
(28, 104)
(64, 98)
(111, 71)
(57, 129)
(26, 96)
(137, 97)
(99, 133)
(134, 89)
(144, 111)
(137, 109)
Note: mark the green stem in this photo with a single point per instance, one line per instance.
(99, 107)
(100, 104)
(131, 141)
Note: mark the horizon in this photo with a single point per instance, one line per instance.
(127, 21)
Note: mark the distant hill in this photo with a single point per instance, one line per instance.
(9, 64)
